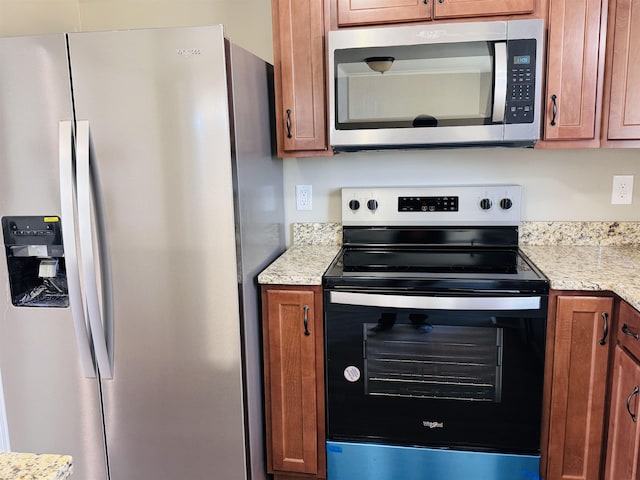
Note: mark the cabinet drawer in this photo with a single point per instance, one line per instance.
(629, 329)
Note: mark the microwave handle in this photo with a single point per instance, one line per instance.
(500, 84)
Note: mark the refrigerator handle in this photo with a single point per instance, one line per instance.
(67, 211)
(89, 248)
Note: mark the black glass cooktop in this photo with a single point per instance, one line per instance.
(434, 259)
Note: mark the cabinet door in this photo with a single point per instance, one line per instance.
(580, 357)
(478, 8)
(361, 12)
(623, 447)
(573, 60)
(624, 74)
(294, 373)
(298, 52)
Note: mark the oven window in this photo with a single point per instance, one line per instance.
(433, 361)
(442, 378)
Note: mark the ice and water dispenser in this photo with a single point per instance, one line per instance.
(35, 260)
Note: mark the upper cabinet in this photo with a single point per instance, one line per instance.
(574, 71)
(363, 12)
(593, 74)
(622, 81)
(299, 70)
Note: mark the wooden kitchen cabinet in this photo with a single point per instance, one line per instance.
(622, 82)
(294, 381)
(364, 12)
(575, 62)
(578, 366)
(623, 444)
(299, 83)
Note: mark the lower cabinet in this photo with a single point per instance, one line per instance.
(623, 444)
(294, 381)
(580, 356)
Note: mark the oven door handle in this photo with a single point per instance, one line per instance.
(435, 302)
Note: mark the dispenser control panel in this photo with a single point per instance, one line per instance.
(35, 261)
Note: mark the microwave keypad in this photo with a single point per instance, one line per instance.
(520, 82)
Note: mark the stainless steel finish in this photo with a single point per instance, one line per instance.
(88, 244)
(500, 82)
(68, 207)
(435, 302)
(432, 34)
(182, 171)
(469, 210)
(51, 406)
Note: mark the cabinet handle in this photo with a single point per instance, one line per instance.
(289, 123)
(426, 2)
(626, 331)
(306, 321)
(554, 110)
(440, 1)
(634, 392)
(605, 332)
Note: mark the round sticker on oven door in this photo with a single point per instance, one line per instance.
(352, 374)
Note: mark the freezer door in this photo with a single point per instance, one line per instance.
(51, 406)
(156, 103)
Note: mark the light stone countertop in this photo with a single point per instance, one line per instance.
(590, 268)
(33, 466)
(300, 265)
(588, 256)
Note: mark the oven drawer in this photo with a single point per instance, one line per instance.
(629, 329)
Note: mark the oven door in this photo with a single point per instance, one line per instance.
(453, 371)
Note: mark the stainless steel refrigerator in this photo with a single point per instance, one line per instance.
(139, 198)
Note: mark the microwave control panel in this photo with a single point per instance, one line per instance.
(521, 81)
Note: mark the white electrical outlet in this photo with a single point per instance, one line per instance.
(303, 197)
(622, 190)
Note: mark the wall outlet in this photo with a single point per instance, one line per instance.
(303, 197)
(622, 191)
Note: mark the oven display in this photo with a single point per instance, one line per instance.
(428, 204)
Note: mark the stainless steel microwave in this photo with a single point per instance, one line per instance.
(436, 85)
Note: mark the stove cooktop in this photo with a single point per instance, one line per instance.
(433, 238)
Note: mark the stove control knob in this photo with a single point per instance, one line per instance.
(354, 205)
(506, 204)
(372, 205)
(486, 204)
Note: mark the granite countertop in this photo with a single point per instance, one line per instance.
(590, 268)
(300, 265)
(33, 466)
(588, 256)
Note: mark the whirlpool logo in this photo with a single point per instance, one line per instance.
(432, 425)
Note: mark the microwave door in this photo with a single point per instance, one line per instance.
(500, 82)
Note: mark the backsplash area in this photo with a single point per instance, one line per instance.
(531, 233)
(579, 233)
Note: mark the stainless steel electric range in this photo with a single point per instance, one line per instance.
(435, 337)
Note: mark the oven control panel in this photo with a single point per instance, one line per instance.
(442, 205)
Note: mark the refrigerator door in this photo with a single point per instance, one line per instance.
(156, 102)
(51, 406)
